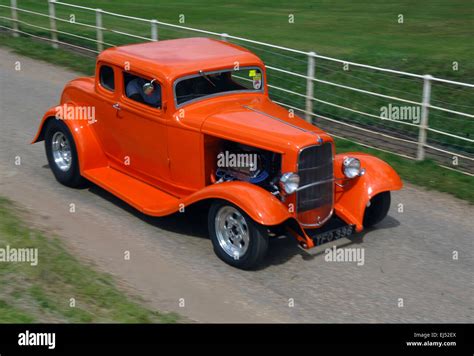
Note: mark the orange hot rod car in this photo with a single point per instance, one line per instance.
(184, 121)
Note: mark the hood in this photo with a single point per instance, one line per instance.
(261, 123)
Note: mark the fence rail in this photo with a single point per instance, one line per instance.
(301, 85)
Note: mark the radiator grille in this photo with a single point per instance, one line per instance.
(315, 164)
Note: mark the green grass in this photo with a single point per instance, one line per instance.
(42, 293)
(426, 174)
(43, 51)
(434, 35)
(11, 314)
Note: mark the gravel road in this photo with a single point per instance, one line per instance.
(408, 257)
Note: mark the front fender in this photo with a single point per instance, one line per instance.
(352, 195)
(89, 151)
(49, 115)
(258, 203)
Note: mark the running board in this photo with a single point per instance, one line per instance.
(143, 197)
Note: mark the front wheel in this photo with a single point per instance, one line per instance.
(62, 154)
(237, 239)
(377, 209)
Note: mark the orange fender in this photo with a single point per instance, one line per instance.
(351, 199)
(258, 203)
(89, 151)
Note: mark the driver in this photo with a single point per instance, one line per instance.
(151, 95)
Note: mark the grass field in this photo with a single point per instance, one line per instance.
(43, 292)
(433, 35)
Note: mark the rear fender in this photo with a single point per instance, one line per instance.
(89, 151)
(353, 195)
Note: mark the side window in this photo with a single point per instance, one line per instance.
(106, 76)
(143, 90)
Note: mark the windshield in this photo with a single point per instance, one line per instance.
(214, 83)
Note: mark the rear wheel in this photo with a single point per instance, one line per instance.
(377, 209)
(62, 155)
(237, 239)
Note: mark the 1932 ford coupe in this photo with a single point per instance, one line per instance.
(164, 125)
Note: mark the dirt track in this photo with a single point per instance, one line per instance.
(408, 256)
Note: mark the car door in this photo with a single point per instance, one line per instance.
(142, 132)
(107, 94)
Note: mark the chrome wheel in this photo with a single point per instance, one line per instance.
(61, 150)
(232, 231)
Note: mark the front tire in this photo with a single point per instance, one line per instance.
(237, 239)
(377, 210)
(62, 154)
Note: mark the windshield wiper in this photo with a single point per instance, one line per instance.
(202, 74)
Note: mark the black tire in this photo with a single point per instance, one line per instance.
(378, 209)
(70, 177)
(257, 245)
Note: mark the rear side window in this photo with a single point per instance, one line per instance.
(106, 76)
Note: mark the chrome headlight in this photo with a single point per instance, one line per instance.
(351, 167)
(289, 182)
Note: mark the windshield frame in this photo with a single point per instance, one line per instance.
(196, 75)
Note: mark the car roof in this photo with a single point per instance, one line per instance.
(174, 58)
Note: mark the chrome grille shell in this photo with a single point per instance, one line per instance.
(315, 196)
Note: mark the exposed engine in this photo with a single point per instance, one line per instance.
(237, 162)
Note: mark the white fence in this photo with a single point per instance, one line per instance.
(418, 137)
